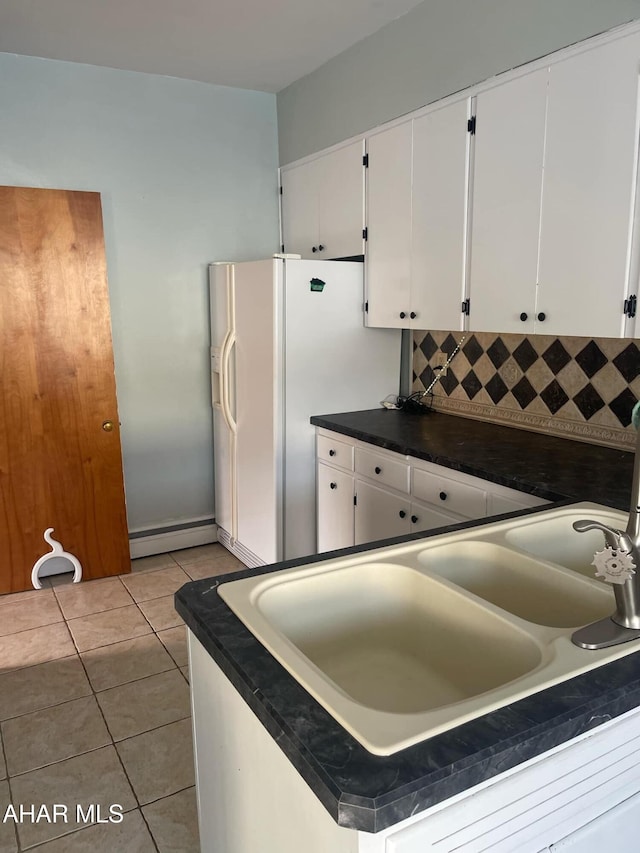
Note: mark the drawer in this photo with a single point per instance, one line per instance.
(383, 469)
(450, 495)
(336, 452)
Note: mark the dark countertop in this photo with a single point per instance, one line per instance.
(369, 792)
(541, 465)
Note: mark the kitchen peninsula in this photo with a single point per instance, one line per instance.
(298, 768)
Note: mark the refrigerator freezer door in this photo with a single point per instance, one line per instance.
(258, 395)
(222, 394)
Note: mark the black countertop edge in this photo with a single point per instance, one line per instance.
(369, 792)
(541, 465)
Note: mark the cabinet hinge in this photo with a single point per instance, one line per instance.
(466, 306)
(355, 500)
(366, 307)
(365, 233)
(630, 306)
(281, 190)
(471, 125)
(282, 248)
(365, 161)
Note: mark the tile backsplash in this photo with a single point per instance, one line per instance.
(580, 388)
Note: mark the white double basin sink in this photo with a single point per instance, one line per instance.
(404, 642)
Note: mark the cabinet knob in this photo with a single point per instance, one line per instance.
(414, 519)
(443, 496)
(378, 470)
(402, 513)
(321, 248)
(402, 315)
(413, 315)
(314, 249)
(542, 316)
(332, 453)
(333, 485)
(107, 426)
(524, 317)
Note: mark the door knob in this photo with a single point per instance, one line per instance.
(107, 426)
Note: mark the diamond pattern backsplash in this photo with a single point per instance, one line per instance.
(574, 387)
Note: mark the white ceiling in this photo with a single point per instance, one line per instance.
(251, 44)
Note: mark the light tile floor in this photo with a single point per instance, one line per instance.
(94, 709)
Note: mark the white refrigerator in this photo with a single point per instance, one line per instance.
(287, 342)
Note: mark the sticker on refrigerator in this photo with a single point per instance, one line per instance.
(316, 285)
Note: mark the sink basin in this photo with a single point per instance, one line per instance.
(555, 539)
(372, 630)
(518, 583)
(403, 642)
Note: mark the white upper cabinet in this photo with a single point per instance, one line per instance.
(323, 205)
(507, 186)
(417, 190)
(388, 258)
(439, 217)
(555, 184)
(589, 189)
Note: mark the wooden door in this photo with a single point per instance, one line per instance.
(59, 466)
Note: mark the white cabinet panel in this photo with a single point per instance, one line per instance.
(323, 205)
(386, 469)
(439, 207)
(388, 258)
(300, 209)
(341, 202)
(335, 508)
(426, 517)
(617, 828)
(380, 514)
(507, 183)
(589, 186)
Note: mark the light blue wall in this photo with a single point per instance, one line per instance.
(438, 48)
(187, 174)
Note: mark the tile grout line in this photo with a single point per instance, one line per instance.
(4, 758)
(115, 749)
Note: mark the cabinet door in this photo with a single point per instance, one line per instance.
(335, 508)
(299, 206)
(426, 517)
(508, 159)
(379, 514)
(341, 202)
(589, 186)
(388, 258)
(439, 209)
(617, 828)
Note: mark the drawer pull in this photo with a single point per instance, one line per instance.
(414, 519)
(332, 453)
(443, 496)
(378, 469)
(402, 513)
(333, 485)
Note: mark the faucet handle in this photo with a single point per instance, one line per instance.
(614, 538)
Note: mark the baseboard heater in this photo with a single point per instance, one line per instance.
(145, 542)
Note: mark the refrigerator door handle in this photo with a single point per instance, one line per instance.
(227, 347)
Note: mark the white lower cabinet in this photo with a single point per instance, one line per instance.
(580, 797)
(365, 494)
(380, 513)
(335, 508)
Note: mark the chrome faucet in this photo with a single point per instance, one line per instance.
(618, 564)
